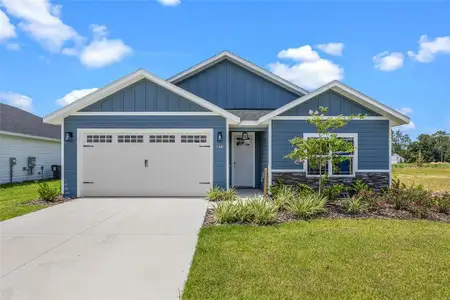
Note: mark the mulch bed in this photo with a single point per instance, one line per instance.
(336, 211)
(58, 200)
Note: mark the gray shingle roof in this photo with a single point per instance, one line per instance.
(249, 114)
(13, 119)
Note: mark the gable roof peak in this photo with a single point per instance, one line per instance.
(242, 63)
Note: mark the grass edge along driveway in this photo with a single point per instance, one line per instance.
(14, 198)
(323, 259)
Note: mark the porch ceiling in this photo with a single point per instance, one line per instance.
(249, 114)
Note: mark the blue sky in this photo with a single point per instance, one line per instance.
(54, 52)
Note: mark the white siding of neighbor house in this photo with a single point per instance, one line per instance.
(47, 153)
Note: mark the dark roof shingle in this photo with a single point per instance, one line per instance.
(15, 120)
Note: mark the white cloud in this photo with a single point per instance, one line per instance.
(103, 51)
(303, 53)
(386, 61)
(309, 71)
(406, 111)
(74, 95)
(7, 30)
(428, 49)
(170, 2)
(41, 20)
(17, 100)
(332, 48)
(13, 46)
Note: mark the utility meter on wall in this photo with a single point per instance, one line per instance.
(31, 162)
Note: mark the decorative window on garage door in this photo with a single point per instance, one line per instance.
(166, 139)
(193, 139)
(91, 138)
(129, 138)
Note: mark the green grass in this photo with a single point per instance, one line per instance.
(432, 178)
(13, 198)
(323, 259)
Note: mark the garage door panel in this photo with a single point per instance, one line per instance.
(146, 164)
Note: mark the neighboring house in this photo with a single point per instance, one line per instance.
(397, 159)
(219, 123)
(28, 147)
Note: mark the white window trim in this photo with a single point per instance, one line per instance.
(330, 169)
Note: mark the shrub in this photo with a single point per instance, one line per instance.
(307, 206)
(443, 203)
(231, 212)
(334, 191)
(275, 188)
(219, 194)
(354, 205)
(416, 200)
(261, 212)
(284, 196)
(359, 186)
(370, 198)
(46, 193)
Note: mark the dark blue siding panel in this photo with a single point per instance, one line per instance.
(336, 103)
(233, 87)
(144, 95)
(72, 123)
(373, 142)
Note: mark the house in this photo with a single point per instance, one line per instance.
(218, 123)
(397, 159)
(28, 147)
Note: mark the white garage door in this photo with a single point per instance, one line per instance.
(157, 163)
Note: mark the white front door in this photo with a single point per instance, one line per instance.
(243, 160)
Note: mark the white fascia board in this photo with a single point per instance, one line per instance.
(146, 113)
(241, 62)
(391, 114)
(368, 118)
(28, 136)
(57, 116)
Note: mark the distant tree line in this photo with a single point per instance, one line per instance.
(428, 147)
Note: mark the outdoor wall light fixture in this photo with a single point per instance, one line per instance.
(219, 137)
(245, 136)
(68, 136)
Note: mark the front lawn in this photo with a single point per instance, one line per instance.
(323, 259)
(14, 198)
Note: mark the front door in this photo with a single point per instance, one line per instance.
(243, 159)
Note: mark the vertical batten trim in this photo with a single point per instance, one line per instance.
(227, 159)
(270, 155)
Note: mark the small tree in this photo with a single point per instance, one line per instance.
(420, 160)
(326, 147)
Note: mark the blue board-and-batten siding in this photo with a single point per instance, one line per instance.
(143, 96)
(373, 142)
(336, 104)
(73, 123)
(233, 87)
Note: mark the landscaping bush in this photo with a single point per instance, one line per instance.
(231, 212)
(354, 205)
(370, 198)
(359, 186)
(47, 193)
(261, 212)
(443, 203)
(220, 194)
(255, 210)
(284, 196)
(333, 192)
(307, 206)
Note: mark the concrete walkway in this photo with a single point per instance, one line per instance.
(100, 249)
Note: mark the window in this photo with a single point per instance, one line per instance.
(91, 139)
(343, 168)
(130, 139)
(193, 139)
(162, 139)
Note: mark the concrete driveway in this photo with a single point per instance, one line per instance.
(102, 249)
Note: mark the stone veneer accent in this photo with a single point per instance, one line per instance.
(376, 180)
